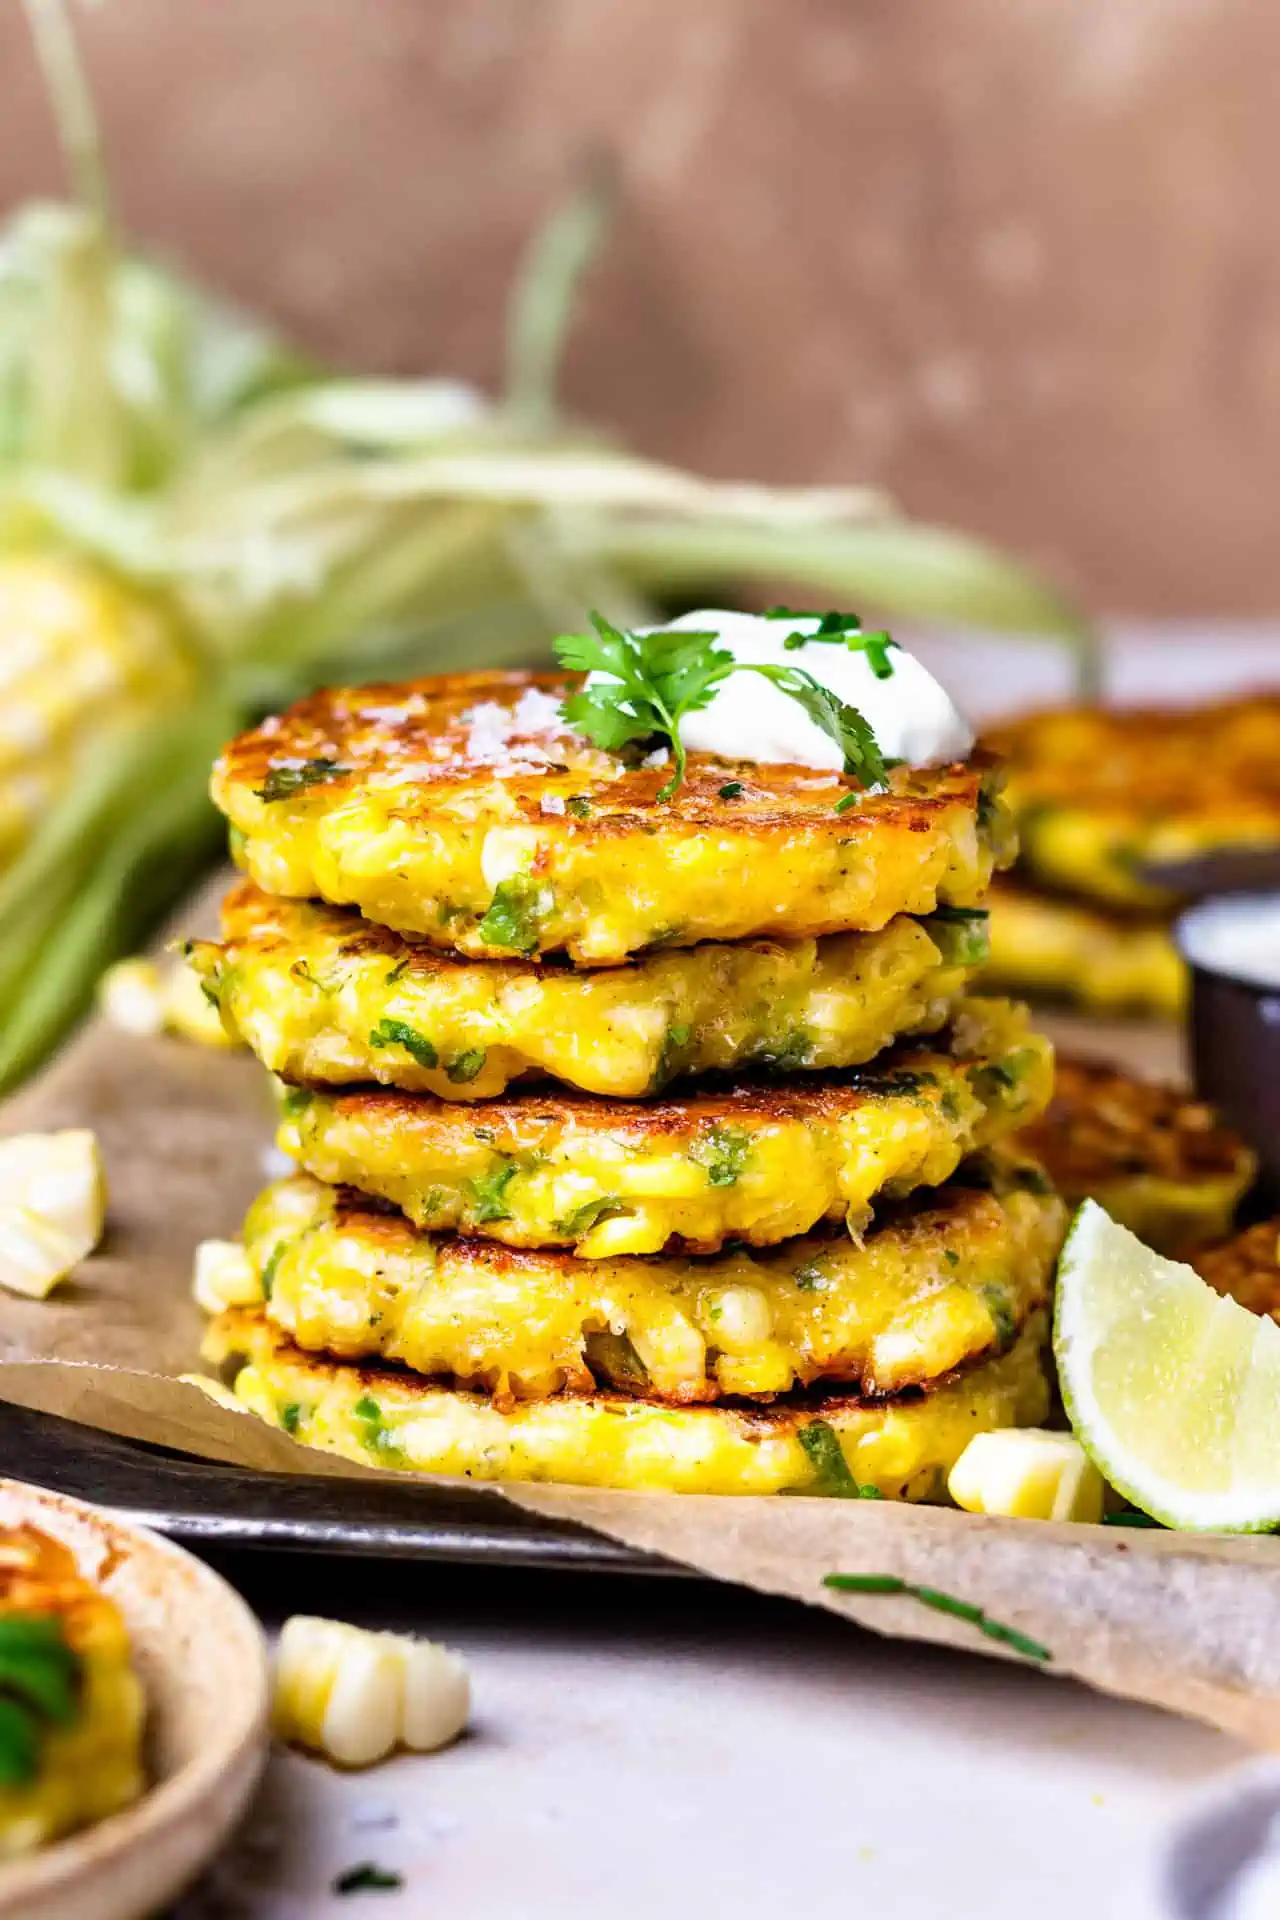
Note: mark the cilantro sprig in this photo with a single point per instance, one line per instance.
(654, 679)
(40, 1676)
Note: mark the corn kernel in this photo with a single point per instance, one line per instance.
(737, 1318)
(188, 1010)
(34, 1253)
(355, 1695)
(131, 997)
(60, 1176)
(145, 997)
(672, 1350)
(52, 1207)
(1029, 1474)
(634, 1231)
(224, 1277)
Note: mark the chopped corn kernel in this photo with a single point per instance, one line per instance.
(188, 1012)
(355, 1695)
(131, 996)
(739, 1318)
(224, 1276)
(34, 1253)
(1028, 1474)
(52, 1207)
(148, 997)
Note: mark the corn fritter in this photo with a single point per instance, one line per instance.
(464, 810)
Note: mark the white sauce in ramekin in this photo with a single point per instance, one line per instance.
(1237, 935)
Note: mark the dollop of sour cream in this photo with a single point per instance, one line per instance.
(1236, 935)
(912, 716)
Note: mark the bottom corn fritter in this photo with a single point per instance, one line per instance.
(71, 1706)
(938, 1282)
(1160, 1162)
(1061, 948)
(901, 1447)
(758, 1161)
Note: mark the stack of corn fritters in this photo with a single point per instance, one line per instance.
(1098, 795)
(642, 1143)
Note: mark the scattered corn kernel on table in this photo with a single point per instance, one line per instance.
(643, 1744)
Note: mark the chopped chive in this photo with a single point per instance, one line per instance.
(940, 1602)
(731, 789)
(866, 1583)
(947, 1603)
(367, 1878)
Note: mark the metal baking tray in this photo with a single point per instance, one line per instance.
(205, 1504)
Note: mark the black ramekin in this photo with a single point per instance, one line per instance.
(1235, 1037)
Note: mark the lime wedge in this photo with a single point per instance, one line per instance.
(1173, 1391)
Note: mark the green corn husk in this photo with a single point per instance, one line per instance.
(300, 526)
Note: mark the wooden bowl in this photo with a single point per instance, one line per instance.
(200, 1655)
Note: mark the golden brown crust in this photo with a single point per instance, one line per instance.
(1101, 793)
(1247, 1268)
(1201, 762)
(1102, 1124)
(416, 736)
(323, 997)
(825, 1443)
(936, 1280)
(465, 811)
(756, 1160)
(248, 1329)
(1161, 1163)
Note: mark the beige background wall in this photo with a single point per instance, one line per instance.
(1018, 260)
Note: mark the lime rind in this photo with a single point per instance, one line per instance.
(1155, 1367)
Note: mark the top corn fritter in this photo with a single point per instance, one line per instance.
(466, 811)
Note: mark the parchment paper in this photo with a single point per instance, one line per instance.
(1189, 1623)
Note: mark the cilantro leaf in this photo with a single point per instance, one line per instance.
(657, 678)
(516, 913)
(489, 1190)
(465, 1066)
(398, 1033)
(40, 1682)
(838, 720)
(724, 1152)
(830, 1468)
(654, 679)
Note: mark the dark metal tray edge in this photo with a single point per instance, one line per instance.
(202, 1503)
